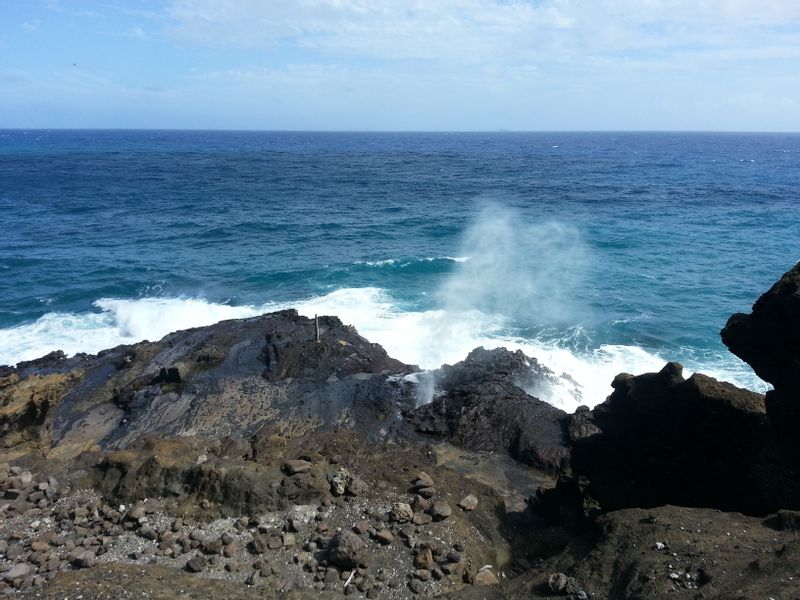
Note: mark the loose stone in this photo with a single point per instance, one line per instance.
(468, 503)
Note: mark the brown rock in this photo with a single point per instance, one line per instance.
(424, 559)
(384, 537)
(292, 467)
(346, 550)
(440, 510)
(485, 577)
(468, 503)
(356, 486)
(421, 518)
(426, 492)
(401, 512)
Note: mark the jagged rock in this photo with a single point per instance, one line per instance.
(424, 559)
(385, 537)
(482, 406)
(401, 512)
(668, 440)
(356, 486)
(196, 564)
(557, 583)
(338, 480)
(768, 339)
(234, 487)
(84, 559)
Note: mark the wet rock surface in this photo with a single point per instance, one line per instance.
(265, 375)
(481, 405)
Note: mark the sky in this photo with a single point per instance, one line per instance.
(434, 65)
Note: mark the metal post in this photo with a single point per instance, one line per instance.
(316, 326)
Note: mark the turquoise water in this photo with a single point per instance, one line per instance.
(595, 252)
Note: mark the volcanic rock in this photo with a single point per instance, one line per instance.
(768, 339)
(235, 377)
(481, 406)
(668, 440)
(346, 550)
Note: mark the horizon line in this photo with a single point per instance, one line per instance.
(405, 131)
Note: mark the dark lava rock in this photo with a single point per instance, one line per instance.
(346, 550)
(213, 382)
(668, 440)
(481, 406)
(196, 564)
(768, 339)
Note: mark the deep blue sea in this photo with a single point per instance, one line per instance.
(594, 252)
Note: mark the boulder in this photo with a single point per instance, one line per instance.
(481, 405)
(346, 550)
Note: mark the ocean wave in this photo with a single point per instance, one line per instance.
(409, 262)
(426, 338)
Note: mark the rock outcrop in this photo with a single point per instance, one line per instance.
(237, 379)
(664, 439)
(480, 405)
(768, 339)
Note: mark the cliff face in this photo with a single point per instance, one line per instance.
(768, 339)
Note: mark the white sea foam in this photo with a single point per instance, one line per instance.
(405, 263)
(426, 338)
(507, 274)
(116, 322)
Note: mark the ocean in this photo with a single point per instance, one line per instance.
(596, 253)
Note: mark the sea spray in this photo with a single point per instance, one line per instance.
(526, 272)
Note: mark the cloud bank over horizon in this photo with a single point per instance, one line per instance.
(385, 65)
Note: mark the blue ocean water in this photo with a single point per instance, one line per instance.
(594, 252)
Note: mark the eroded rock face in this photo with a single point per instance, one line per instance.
(235, 378)
(668, 440)
(768, 339)
(481, 406)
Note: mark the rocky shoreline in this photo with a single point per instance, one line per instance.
(255, 458)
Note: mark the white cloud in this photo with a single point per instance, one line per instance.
(31, 26)
(477, 31)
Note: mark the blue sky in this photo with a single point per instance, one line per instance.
(392, 65)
